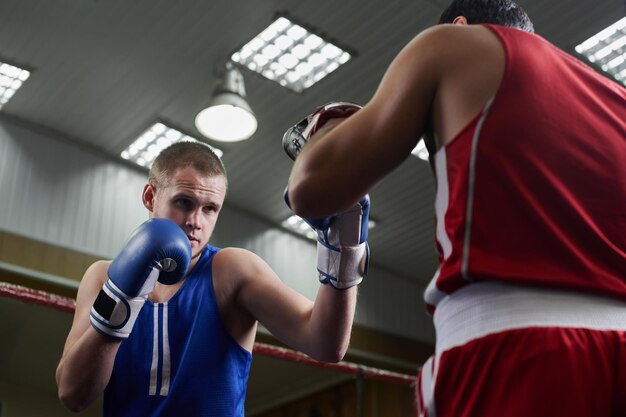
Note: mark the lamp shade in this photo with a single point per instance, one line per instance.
(228, 117)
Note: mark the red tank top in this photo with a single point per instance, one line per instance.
(533, 189)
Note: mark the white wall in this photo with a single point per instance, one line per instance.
(61, 194)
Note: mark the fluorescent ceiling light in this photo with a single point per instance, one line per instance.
(299, 226)
(607, 50)
(420, 150)
(150, 143)
(11, 79)
(291, 55)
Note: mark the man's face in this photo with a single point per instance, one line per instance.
(191, 200)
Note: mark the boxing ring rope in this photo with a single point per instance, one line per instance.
(43, 298)
(68, 305)
(357, 370)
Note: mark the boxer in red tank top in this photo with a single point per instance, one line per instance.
(528, 146)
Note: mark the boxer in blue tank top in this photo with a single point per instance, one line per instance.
(168, 326)
(163, 352)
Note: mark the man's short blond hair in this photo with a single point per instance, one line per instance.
(185, 154)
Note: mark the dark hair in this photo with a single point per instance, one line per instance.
(499, 12)
(185, 154)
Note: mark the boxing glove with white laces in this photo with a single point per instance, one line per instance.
(342, 248)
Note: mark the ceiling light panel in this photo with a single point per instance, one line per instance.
(290, 55)
(11, 79)
(299, 226)
(150, 143)
(420, 150)
(607, 50)
(296, 224)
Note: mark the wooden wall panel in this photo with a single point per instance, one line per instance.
(42, 257)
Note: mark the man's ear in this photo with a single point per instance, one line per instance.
(460, 20)
(147, 197)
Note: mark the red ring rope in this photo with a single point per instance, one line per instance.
(68, 305)
(345, 367)
(37, 297)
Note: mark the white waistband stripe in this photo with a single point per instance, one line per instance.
(484, 308)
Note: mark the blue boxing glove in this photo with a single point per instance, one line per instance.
(342, 249)
(157, 250)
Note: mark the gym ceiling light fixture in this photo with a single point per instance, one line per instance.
(291, 55)
(228, 117)
(150, 143)
(11, 79)
(607, 49)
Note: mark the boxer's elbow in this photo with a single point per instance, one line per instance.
(72, 395)
(300, 200)
(308, 188)
(72, 400)
(332, 354)
(74, 407)
(311, 199)
(335, 356)
(331, 357)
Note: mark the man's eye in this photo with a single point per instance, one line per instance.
(183, 203)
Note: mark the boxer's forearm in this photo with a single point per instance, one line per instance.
(85, 370)
(331, 323)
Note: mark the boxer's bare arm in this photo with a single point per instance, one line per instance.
(442, 78)
(88, 357)
(246, 284)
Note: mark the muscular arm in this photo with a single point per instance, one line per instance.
(369, 144)
(440, 79)
(321, 329)
(88, 357)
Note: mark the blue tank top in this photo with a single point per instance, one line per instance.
(179, 359)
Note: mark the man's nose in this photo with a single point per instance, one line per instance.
(194, 219)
